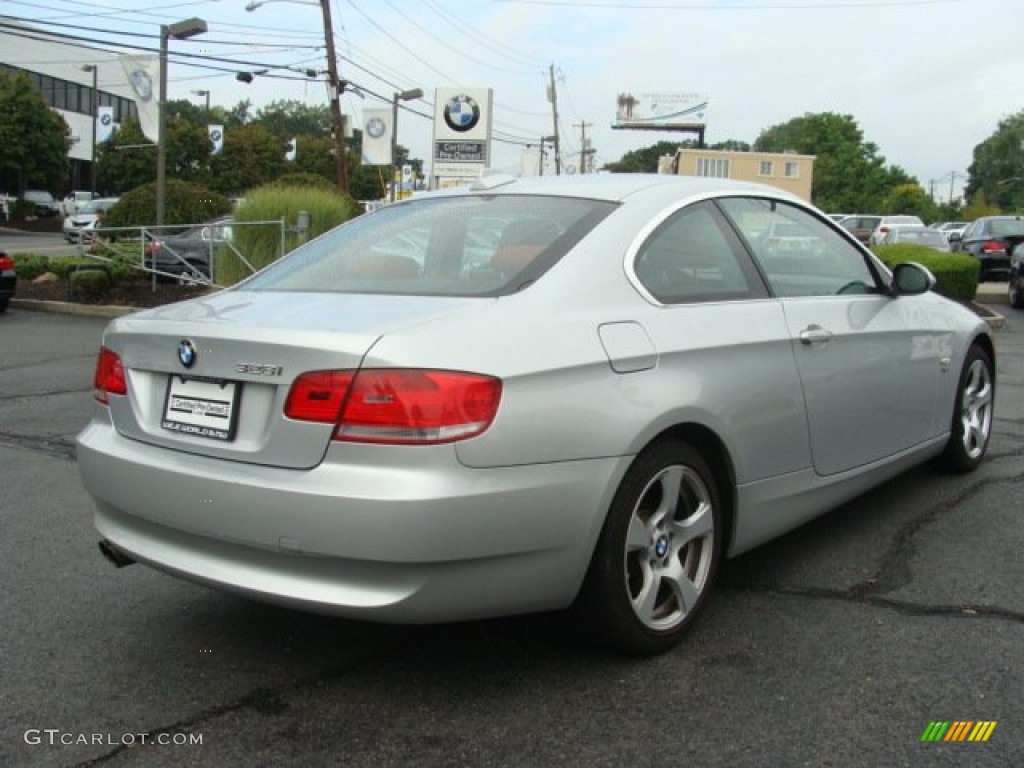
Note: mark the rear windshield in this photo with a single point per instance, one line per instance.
(445, 246)
(1006, 227)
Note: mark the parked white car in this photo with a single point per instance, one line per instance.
(83, 223)
(73, 202)
(888, 222)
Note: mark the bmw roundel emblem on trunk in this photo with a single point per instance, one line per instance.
(187, 353)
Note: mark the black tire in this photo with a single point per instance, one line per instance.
(972, 413)
(658, 552)
(3, 304)
(1014, 293)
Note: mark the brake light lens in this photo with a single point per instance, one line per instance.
(318, 396)
(397, 406)
(992, 246)
(109, 378)
(6, 262)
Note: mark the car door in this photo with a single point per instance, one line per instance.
(868, 363)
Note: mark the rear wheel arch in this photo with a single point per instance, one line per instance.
(711, 447)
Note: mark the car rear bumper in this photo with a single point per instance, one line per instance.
(8, 284)
(426, 542)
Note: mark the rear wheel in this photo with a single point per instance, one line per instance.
(658, 553)
(972, 413)
(1013, 292)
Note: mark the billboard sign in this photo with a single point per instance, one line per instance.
(462, 131)
(661, 109)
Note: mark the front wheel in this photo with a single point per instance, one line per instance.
(972, 413)
(658, 552)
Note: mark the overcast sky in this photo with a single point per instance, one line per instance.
(926, 80)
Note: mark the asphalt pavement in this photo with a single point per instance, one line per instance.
(836, 645)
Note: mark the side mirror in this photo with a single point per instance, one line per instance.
(911, 279)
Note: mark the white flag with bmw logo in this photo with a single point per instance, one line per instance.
(104, 124)
(144, 80)
(377, 137)
(216, 134)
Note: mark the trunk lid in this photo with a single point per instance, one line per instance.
(244, 350)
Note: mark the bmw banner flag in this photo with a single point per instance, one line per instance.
(291, 149)
(377, 130)
(144, 80)
(104, 124)
(216, 134)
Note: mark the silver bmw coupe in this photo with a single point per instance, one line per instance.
(524, 396)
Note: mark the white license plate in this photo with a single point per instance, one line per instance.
(201, 407)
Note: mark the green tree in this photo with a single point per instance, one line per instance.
(34, 139)
(291, 118)
(849, 174)
(979, 206)
(912, 199)
(128, 159)
(646, 160)
(998, 166)
(252, 156)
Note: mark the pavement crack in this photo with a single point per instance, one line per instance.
(48, 393)
(894, 571)
(52, 445)
(903, 607)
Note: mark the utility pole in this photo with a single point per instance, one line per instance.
(584, 146)
(332, 75)
(553, 98)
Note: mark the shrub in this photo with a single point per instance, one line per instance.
(64, 266)
(29, 266)
(262, 245)
(314, 180)
(90, 284)
(184, 203)
(956, 274)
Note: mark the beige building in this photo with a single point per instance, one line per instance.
(791, 172)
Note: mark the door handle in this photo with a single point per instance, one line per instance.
(815, 334)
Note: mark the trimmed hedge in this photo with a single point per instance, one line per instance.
(29, 266)
(956, 274)
(184, 203)
(90, 284)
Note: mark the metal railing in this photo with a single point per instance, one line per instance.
(147, 249)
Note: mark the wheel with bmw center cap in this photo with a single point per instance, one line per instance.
(658, 552)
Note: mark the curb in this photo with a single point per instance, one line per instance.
(72, 308)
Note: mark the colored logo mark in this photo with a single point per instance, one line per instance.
(958, 730)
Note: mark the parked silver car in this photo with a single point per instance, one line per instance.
(524, 396)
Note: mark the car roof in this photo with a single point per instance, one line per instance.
(617, 187)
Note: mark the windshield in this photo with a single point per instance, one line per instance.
(486, 245)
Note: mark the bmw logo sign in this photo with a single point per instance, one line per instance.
(187, 353)
(107, 119)
(376, 127)
(462, 113)
(142, 84)
(214, 135)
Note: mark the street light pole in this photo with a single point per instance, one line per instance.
(179, 31)
(94, 112)
(415, 93)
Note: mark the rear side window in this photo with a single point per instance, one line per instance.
(446, 246)
(694, 256)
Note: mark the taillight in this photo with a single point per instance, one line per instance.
(6, 262)
(397, 406)
(993, 245)
(109, 378)
(318, 396)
